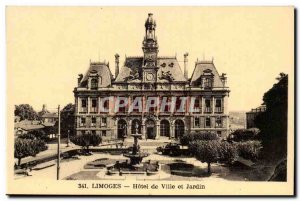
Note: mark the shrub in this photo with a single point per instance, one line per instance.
(227, 152)
(86, 140)
(39, 134)
(28, 147)
(245, 134)
(249, 150)
(186, 139)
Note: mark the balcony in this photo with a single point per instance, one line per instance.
(207, 110)
(93, 110)
(83, 110)
(219, 109)
(82, 125)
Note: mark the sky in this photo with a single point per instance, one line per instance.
(47, 47)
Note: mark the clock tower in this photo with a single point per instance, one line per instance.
(150, 49)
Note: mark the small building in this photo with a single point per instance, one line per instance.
(47, 117)
(23, 127)
(250, 116)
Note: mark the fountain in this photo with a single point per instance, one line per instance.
(136, 156)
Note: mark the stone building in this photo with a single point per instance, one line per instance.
(251, 115)
(182, 104)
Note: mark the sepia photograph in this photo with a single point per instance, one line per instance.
(150, 100)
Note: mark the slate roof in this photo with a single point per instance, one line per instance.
(171, 65)
(100, 68)
(133, 65)
(199, 69)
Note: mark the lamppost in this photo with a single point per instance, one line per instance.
(68, 140)
(58, 145)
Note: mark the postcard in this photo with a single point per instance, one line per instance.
(150, 101)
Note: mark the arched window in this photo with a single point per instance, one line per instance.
(94, 83)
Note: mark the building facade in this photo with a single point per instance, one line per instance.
(251, 115)
(172, 104)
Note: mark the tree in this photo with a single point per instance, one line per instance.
(28, 147)
(273, 122)
(67, 116)
(25, 111)
(86, 140)
(249, 150)
(191, 137)
(208, 152)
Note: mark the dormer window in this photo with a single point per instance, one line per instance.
(94, 83)
(207, 82)
(207, 79)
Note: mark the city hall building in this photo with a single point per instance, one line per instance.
(152, 95)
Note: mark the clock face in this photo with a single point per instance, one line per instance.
(149, 76)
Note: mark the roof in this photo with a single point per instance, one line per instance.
(169, 65)
(169, 69)
(130, 72)
(48, 124)
(50, 115)
(29, 125)
(102, 70)
(201, 68)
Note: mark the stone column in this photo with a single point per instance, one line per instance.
(129, 128)
(99, 104)
(88, 105)
(202, 105)
(143, 129)
(213, 104)
(172, 130)
(157, 130)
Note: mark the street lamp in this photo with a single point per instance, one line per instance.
(58, 145)
(68, 140)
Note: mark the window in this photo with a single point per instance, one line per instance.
(82, 121)
(94, 83)
(207, 82)
(197, 104)
(94, 105)
(218, 107)
(167, 104)
(106, 105)
(152, 108)
(137, 105)
(197, 122)
(94, 102)
(104, 121)
(207, 122)
(207, 105)
(219, 133)
(178, 104)
(82, 132)
(218, 122)
(94, 121)
(122, 107)
(104, 133)
(83, 102)
(93, 132)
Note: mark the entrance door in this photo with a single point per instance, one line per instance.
(122, 128)
(150, 129)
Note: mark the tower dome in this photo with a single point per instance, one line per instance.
(150, 22)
